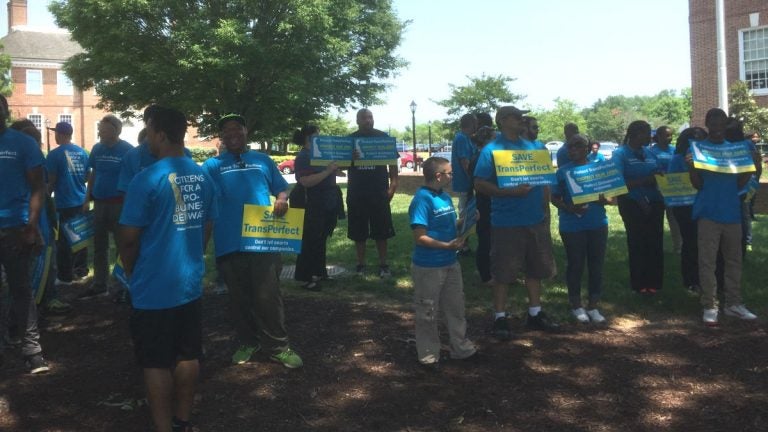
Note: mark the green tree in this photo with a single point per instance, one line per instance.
(6, 84)
(551, 122)
(605, 123)
(482, 94)
(668, 108)
(743, 106)
(333, 125)
(279, 63)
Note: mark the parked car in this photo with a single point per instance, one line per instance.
(442, 154)
(406, 160)
(553, 146)
(401, 147)
(286, 166)
(607, 148)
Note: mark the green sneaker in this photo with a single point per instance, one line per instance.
(289, 359)
(243, 354)
(56, 306)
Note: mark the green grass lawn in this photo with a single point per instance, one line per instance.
(618, 299)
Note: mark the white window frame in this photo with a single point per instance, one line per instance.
(34, 90)
(39, 123)
(64, 85)
(67, 118)
(742, 65)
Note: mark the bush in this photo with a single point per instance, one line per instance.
(200, 155)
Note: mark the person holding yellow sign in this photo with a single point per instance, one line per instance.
(584, 230)
(244, 177)
(683, 208)
(520, 235)
(642, 209)
(717, 210)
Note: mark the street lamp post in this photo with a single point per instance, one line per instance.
(48, 134)
(429, 132)
(413, 129)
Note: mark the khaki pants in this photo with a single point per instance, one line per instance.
(726, 237)
(440, 289)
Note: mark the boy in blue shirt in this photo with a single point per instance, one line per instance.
(164, 229)
(437, 280)
(717, 210)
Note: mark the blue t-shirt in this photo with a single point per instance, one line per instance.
(136, 160)
(718, 199)
(663, 157)
(635, 164)
(69, 163)
(506, 211)
(19, 153)
(595, 216)
(677, 164)
(595, 157)
(171, 201)
(106, 163)
(434, 211)
(249, 179)
(462, 148)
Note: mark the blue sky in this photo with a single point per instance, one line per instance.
(578, 50)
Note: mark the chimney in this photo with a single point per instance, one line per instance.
(17, 13)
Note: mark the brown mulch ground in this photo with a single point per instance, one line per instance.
(361, 374)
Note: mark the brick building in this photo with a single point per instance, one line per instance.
(43, 93)
(746, 40)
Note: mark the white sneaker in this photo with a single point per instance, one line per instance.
(740, 311)
(709, 317)
(595, 316)
(580, 315)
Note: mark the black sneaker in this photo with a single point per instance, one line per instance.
(542, 322)
(501, 329)
(37, 364)
(384, 272)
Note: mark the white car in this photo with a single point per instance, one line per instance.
(554, 146)
(607, 148)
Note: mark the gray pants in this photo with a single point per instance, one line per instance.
(106, 215)
(440, 289)
(727, 238)
(18, 302)
(255, 298)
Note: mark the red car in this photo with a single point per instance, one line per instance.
(286, 166)
(406, 160)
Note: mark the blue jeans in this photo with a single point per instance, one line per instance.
(581, 246)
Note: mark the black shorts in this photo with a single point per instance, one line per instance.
(369, 217)
(163, 337)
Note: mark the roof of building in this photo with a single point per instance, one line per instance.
(39, 44)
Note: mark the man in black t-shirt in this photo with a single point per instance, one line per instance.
(369, 191)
